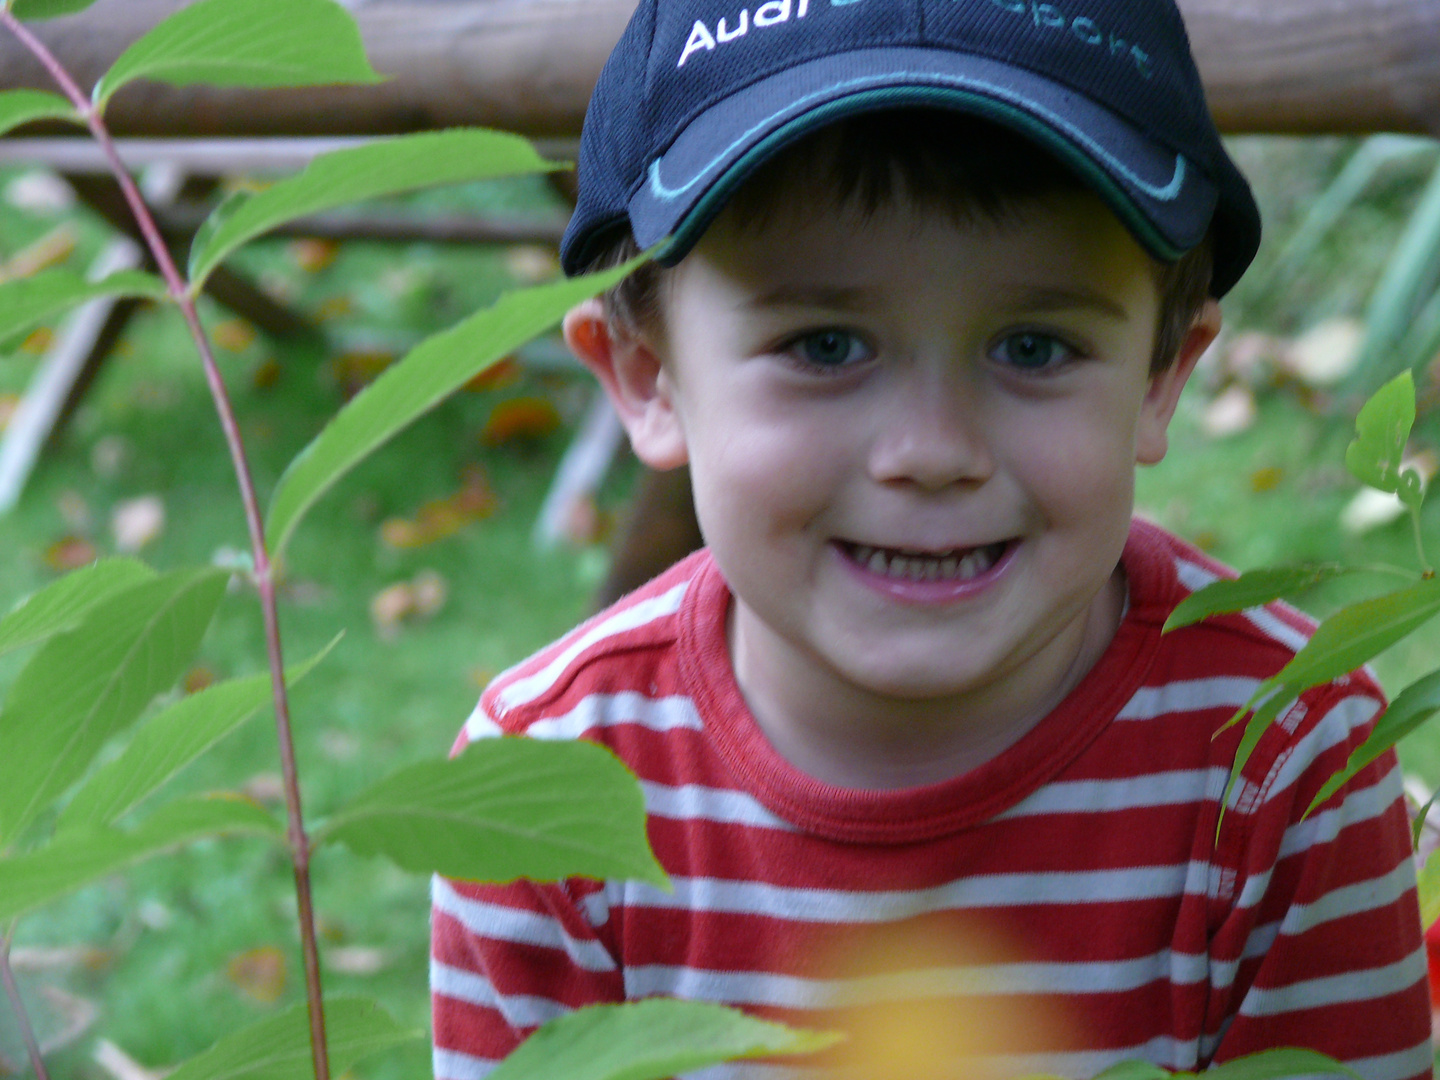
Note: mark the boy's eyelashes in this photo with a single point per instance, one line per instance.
(828, 349)
(834, 349)
(1034, 351)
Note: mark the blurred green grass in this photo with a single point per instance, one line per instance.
(168, 931)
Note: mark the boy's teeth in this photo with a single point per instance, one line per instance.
(951, 566)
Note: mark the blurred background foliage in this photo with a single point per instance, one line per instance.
(424, 555)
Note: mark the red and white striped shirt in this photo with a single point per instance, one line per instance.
(1077, 877)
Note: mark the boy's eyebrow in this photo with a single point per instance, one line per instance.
(1033, 298)
(807, 295)
(1026, 297)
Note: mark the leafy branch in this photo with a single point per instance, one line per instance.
(1358, 632)
(108, 638)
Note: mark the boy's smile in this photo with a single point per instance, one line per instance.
(912, 440)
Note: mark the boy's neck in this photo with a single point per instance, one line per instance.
(854, 739)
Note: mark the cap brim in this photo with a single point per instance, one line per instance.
(1165, 201)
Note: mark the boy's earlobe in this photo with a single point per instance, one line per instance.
(633, 379)
(1152, 438)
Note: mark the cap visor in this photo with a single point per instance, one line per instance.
(1164, 200)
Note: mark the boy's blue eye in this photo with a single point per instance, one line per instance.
(1032, 351)
(831, 348)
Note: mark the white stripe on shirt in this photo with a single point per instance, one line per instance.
(522, 927)
(631, 618)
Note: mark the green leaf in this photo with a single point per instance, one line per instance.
(506, 808)
(1417, 823)
(1268, 700)
(1272, 1064)
(1356, 634)
(278, 1047)
(431, 371)
(61, 604)
(1429, 880)
(1251, 589)
(382, 167)
(27, 302)
(84, 855)
(1408, 279)
(21, 106)
(169, 742)
(86, 684)
(1416, 704)
(255, 43)
(1134, 1070)
(1381, 431)
(47, 9)
(650, 1040)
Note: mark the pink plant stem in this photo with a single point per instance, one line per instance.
(12, 991)
(264, 575)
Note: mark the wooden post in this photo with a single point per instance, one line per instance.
(1301, 66)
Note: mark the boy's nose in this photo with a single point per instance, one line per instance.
(932, 436)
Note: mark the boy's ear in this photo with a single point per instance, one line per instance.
(1158, 408)
(633, 378)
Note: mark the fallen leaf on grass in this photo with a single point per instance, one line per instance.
(357, 369)
(1252, 356)
(108, 456)
(524, 418)
(74, 510)
(52, 249)
(356, 960)
(313, 254)
(234, 335)
(265, 788)
(9, 406)
(407, 601)
(335, 307)
(70, 553)
(585, 522)
(266, 375)
(497, 376)
(339, 745)
(38, 341)
(1231, 412)
(32, 958)
(441, 518)
(137, 522)
(40, 191)
(530, 264)
(1267, 478)
(197, 679)
(1324, 354)
(259, 974)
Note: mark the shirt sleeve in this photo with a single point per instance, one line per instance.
(1320, 945)
(506, 958)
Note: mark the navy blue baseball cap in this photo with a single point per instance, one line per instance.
(698, 93)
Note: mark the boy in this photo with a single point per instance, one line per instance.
(916, 756)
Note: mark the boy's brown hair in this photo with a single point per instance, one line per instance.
(951, 161)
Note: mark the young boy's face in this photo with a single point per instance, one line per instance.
(912, 443)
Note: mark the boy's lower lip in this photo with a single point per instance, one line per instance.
(926, 579)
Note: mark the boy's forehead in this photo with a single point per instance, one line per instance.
(1065, 249)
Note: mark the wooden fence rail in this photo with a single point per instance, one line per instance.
(528, 65)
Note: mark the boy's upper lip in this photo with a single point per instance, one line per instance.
(923, 549)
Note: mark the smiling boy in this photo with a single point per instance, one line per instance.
(908, 729)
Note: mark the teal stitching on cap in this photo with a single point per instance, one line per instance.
(1166, 193)
(1119, 202)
